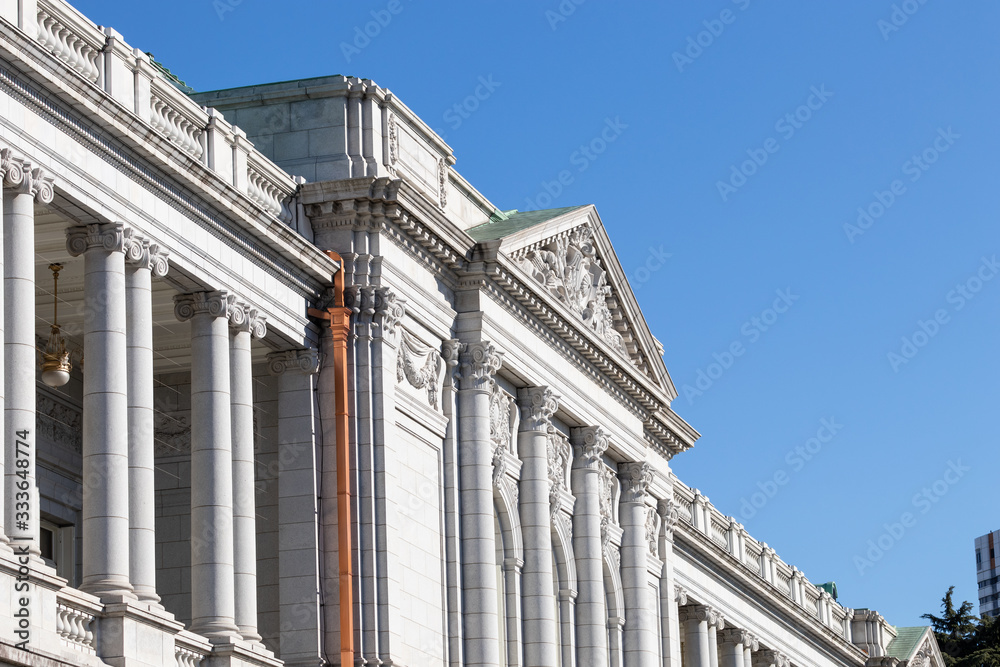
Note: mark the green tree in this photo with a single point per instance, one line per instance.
(965, 639)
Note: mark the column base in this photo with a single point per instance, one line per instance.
(250, 634)
(217, 632)
(110, 590)
(240, 654)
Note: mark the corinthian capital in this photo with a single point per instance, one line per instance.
(214, 304)
(245, 318)
(635, 476)
(293, 361)
(739, 637)
(590, 443)
(478, 362)
(389, 310)
(537, 404)
(667, 509)
(144, 254)
(108, 236)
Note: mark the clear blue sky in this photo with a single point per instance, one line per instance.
(895, 94)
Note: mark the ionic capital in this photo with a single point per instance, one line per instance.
(635, 476)
(770, 658)
(108, 236)
(537, 404)
(214, 304)
(244, 318)
(739, 637)
(590, 443)
(143, 254)
(305, 361)
(20, 176)
(477, 364)
(702, 612)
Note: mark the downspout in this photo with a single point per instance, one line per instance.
(339, 319)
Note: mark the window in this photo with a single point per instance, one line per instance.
(57, 546)
(979, 559)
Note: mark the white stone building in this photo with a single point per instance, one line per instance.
(364, 373)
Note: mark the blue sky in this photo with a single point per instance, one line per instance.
(836, 106)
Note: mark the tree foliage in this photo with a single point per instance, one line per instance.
(965, 639)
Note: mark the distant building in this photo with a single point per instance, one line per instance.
(986, 573)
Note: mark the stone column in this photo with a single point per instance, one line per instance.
(477, 364)
(640, 607)
(245, 324)
(589, 445)
(750, 645)
(105, 408)
(212, 596)
(671, 595)
(298, 532)
(735, 646)
(537, 405)
(716, 623)
(26, 185)
(143, 260)
(11, 173)
(695, 619)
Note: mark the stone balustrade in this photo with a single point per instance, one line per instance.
(103, 58)
(728, 535)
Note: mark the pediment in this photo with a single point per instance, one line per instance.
(569, 260)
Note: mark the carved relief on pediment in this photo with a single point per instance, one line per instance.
(569, 268)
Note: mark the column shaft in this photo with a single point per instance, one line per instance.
(20, 363)
(640, 607)
(478, 362)
(212, 577)
(139, 360)
(244, 488)
(538, 600)
(591, 603)
(105, 408)
(695, 623)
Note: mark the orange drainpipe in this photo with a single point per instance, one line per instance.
(339, 318)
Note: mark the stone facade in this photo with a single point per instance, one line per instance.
(509, 413)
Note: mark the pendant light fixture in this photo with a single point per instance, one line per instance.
(55, 358)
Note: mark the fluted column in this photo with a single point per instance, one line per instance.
(143, 260)
(640, 607)
(537, 405)
(24, 185)
(298, 530)
(105, 408)
(245, 323)
(589, 445)
(477, 364)
(735, 645)
(212, 596)
(695, 619)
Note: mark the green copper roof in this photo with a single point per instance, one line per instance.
(170, 76)
(905, 643)
(505, 223)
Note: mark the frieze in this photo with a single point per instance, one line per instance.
(421, 366)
